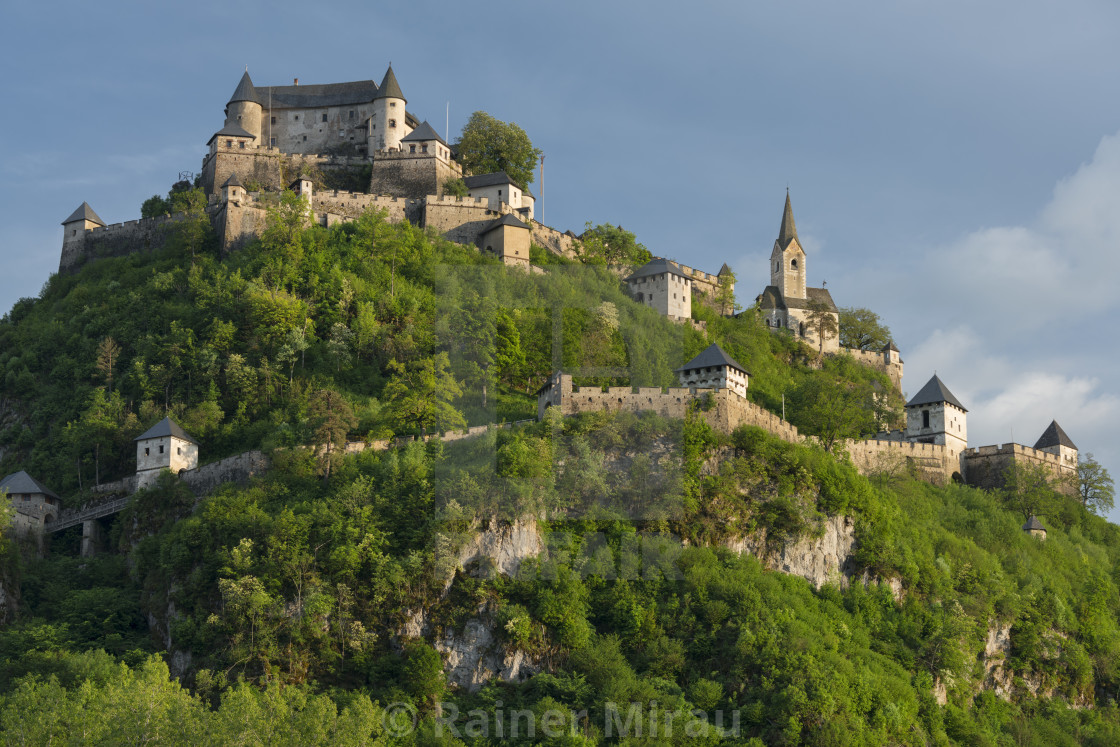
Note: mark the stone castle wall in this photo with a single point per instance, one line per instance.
(267, 168)
(876, 360)
(985, 466)
(116, 240)
(458, 219)
(880, 456)
(411, 175)
(549, 239)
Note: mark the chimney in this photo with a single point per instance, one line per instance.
(296, 82)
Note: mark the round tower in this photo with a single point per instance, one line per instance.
(387, 124)
(244, 109)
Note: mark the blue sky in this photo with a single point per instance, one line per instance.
(954, 166)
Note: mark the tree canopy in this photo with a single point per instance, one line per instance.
(488, 145)
(862, 329)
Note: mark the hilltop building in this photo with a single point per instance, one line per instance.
(35, 504)
(164, 446)
(788, 302)
(663, 286)
(714, 369)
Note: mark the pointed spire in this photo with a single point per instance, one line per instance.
(245, 90)
(84, 212)
(389, 88)
(789, 229)
(1054, 436)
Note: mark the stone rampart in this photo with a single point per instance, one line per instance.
(412, 175)
(986, 466)
(116, 240)
(560, 244)
(353, 204)
(721, 408)
(239, 468)
(876, 360)
(458, 219)
(882, 456)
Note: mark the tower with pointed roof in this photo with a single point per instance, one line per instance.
(935, 416)
(244, 109)
(1055, 441)
(164, 446)
(788, 303)
(387, 126)
(713, 368)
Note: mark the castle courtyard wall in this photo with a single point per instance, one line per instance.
(986, 466)
(116, 240)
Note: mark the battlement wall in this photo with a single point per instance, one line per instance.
(877, 361)
(353, 204)
(115, 240)
(459, 219)
(877, 456)
(986, 466)
(412, 175)
(560, 244)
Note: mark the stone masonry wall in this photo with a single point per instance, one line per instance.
(458, 219)
(985, 466)
(932, 461)
(561, 244)
(875, 360)
(116, 240)
(411, 175)
(239, 468)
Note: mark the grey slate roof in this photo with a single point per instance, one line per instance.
(164, 428)
(890, 346)
(1033, 523)
(21, 482)
(317, 95)
(658, 266)
(724, 270)
(84, 212)
(505, 220)
(232, 130)
(488, 180)
(423, 132)
(772, 298)
(933, 392)
(713, 355)
(245, 90)
(1054, 436)
(788, 231)
(389, 88)
(233, 181)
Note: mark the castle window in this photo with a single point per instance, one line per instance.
(241, 144)
(351, 114)
(161, 448)
(412, 149)
(793, 264)
(179, 450)
(925, 418)
(297, 117)
(392, 123)
(229, 143)
(274, 120)
(325, 117)
(423, 148)
(147, 451)
(393, 104)
(305, 138)
(272, 142)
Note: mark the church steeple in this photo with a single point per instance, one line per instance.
(788, 231)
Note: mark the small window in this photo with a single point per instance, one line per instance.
(179, 450)
(297, 117)
(423, 149)
(229, 143)
(161, 448)
(274, 120)
(412, 149)
(351, 114)
(925, 418)
(272, 141)
(393, 104)
(147, 451)
(793, 264)
(241, 144)
(305, 138)
(392, 123)
(325, 117)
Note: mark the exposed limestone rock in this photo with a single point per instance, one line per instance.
(819, 560)
(503, 545)
(997, 647)
(473, 657)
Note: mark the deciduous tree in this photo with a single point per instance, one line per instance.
(1094, 485)
(487, 145)
(861, 329)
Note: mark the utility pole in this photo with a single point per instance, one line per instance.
(447, 123)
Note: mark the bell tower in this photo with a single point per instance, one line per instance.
(787, 261)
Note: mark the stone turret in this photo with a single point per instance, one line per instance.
(164, 446)
(387, 124)
(244, 109)
(233, 190)
(714, 369)
(935, 416)
(80, 221)
(1055, 441)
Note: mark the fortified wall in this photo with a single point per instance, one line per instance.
(411, 175)
(723, 409)
(115, 240)
(985, 466)
(932, 462)
(877, 361)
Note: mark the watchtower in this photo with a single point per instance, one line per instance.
(164, 446)
(387, 123)
(935, 416)
(244, 108)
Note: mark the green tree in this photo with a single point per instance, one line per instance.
(155, 206)
(861, 329)
(487, 145)
(612, 245)
(1094, 485)
(455, 188)
(832, 409)
(822, 320)
(420, 393)
(725, 296)
(1028, 488)
(192, 231)
(332, 418)
(107, 353)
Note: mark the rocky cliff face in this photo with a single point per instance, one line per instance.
(819, 560)
(473, 656)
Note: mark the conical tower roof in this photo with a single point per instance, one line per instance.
(788, 230)
(1054, 436)
(245, 90)
(389, 88)
(84, 212)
